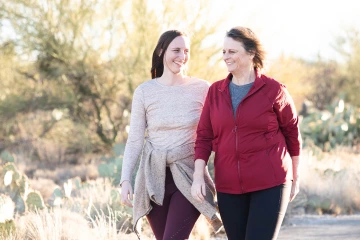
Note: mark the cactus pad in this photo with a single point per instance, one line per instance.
(5, 156)
(34, 201)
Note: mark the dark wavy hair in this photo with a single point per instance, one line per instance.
(157, 67)
(251, 44)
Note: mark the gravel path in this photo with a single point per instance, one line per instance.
(324, 227)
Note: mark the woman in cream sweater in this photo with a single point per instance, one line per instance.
(164, 116)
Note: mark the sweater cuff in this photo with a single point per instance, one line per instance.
(124, 178)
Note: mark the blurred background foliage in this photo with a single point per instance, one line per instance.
(68, 75)
(66, 82)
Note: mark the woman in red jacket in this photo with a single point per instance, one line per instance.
(249, 120)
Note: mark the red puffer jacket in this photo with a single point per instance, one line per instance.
(253, 149)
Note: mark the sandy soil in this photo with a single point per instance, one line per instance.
(321, 227)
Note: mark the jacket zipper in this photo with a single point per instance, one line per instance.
(237, 157)
(236, 137)
(236, 143)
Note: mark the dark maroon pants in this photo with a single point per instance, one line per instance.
(176, 217)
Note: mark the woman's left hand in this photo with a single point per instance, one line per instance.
(198, 188)
(295, 188)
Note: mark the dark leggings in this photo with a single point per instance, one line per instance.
(255, 215)
(176, 217)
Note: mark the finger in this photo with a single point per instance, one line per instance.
(291, 196)
(126, 202)
(129, 204)
(131, 194)
(203, 190)
(201, 197)
(197, 195)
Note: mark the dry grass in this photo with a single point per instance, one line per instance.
(330, 183)
(62, 224)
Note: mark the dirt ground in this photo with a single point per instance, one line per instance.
(315, 227)
(324, 227)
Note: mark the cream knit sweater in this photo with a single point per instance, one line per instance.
(167, 116)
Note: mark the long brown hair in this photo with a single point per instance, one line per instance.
(165, 39)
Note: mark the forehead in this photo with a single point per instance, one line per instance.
(180, 42)
(230, 43)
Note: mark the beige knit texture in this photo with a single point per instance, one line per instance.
(166, 115)
(150, 182)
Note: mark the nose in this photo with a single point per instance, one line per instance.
(182, 55)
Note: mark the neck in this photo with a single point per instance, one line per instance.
(171, 79)
(244, 77)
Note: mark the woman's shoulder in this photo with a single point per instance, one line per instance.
(274, 87)
(218, 84)
(147, 83)
(200, 82)
(147, 86)
(271, 81)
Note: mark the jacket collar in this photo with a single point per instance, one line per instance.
(259, 82)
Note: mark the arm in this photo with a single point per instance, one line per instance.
(204, 133)
(288, 120)
(198, 190)
(289, 125)
(133, 146)
(203, 147)
(296, 179)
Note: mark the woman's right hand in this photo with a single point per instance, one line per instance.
(198, 188)
(126, 194)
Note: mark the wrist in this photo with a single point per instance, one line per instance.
(123, 182)
(198, 175)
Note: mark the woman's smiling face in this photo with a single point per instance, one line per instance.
(235, 56)
(177, 55)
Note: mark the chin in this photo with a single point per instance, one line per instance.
(230, 70)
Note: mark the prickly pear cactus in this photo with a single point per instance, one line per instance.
(106, 170)
(5, 156)
(23, 185)
(56, 198)
(20, 205)
(7, 207)
(58, 193)
(34, 201)
(76, 181)
(16, 185)
(119, 149)
(68, 188)
(7, 167)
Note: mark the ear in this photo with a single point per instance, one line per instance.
(252, 55)
(160, 52)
